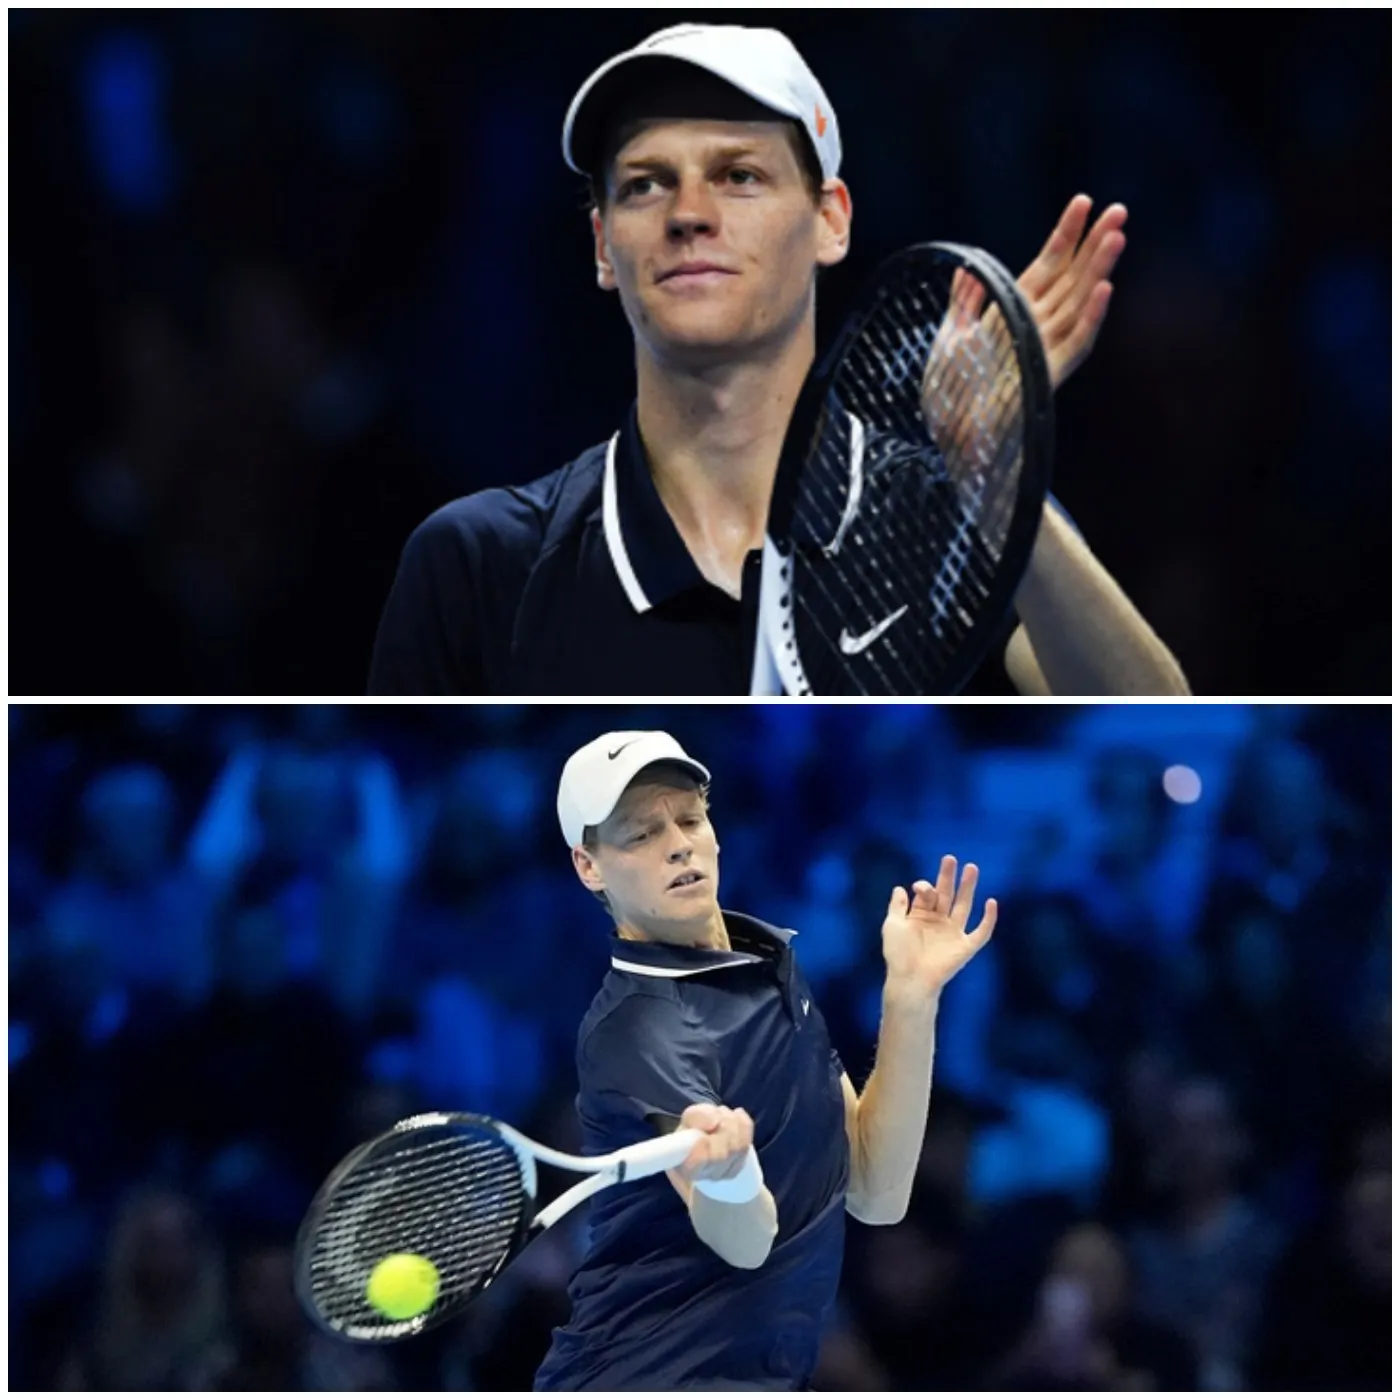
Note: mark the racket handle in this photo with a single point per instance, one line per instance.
(739, 1188)
(658, 1155)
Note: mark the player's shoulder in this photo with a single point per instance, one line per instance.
(513, 519)
(627, 1009)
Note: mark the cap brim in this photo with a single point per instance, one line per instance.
(586, 125)
(609, 797)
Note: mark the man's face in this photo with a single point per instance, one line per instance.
(657, 858)
(712, 239)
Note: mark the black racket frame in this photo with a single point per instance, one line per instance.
(1038, 431)
(391, 1331)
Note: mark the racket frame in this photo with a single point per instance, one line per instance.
(776, 626)
(627, 1164)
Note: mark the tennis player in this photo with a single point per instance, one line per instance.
(713, 157)
(704, 1020)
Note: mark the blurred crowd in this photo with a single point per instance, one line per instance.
(243, 939)
(283, 282)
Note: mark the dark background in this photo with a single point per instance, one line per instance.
(242, 940)
(282, 283)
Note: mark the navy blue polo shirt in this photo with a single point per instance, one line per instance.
(653, 1307)
(575, 584)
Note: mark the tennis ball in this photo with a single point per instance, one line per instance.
(402, 1286)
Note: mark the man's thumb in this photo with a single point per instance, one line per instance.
(899, 900)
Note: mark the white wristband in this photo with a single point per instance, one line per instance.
(736, 1189)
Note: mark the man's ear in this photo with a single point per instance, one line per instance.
(834, 239)
(586, 868)
(607, 278)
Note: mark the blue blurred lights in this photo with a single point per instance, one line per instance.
(1182, 784)
(124, 94)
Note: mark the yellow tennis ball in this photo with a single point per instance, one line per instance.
(402, 1286)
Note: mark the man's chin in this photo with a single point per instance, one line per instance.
(698, 334)
(681, 916)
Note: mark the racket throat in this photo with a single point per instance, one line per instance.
(561, 1205)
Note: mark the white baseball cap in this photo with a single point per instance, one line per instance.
(597, 775)
(762, 63)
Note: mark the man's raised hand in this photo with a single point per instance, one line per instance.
(926, 940)
(1067, 285)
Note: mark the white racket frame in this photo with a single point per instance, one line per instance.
(777, 627)
(627, 1164)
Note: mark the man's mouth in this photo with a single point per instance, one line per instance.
(691, 877)
(696, 270)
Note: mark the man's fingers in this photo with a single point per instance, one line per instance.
(1089, 323)
(983, 931)
(1068, 340)
(925, 896)
(1061, 303)
(1064, 237)
(967, 888)
(727, 1146)
(899, 900)
(705, 1116)
(1059, 247)
(947, 873)
(724, 1128)
(1064, 275)
(1107, 238)
(967, 296)
(1112, 218)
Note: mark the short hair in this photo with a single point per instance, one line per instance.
(677, 91)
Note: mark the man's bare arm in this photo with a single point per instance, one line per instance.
(741, 1233)
(885, 1123)
(926, 942)
(1079, 633)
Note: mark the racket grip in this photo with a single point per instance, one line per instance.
(739, 1188)
(658, 1155)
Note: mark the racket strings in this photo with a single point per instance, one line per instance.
(937, 383)
(825, 496)
(969, 381)
(966, 395)
(858, 574)
(859, 577)
(454, 1198)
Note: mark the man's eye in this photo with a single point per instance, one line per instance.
(740, 176)
(637, 186)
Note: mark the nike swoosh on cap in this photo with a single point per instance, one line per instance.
(853, 646)
(617, 751)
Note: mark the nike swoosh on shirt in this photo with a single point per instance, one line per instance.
(853, 646)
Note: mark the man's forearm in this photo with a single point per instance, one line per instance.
(740, 1233)
(893, 1109)
(1085, 635)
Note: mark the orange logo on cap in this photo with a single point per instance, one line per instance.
(821, 122)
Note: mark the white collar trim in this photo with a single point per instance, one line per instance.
(612, 533)
(674, 971)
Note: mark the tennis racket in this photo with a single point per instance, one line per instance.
(459, 1190)
(910, 487)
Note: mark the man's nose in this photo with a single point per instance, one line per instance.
(681, 844)
(694, 212)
